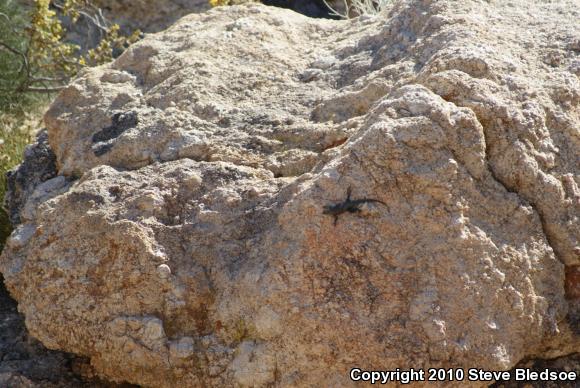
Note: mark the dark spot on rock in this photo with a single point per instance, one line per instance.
(572, 282)
(117, 51)
(101, 149)
(311, 8)
(120, 123)
(39, 165)
(84, 197)
(335, 143)
(225, 122)
(115, 191)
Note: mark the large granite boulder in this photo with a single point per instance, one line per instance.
(199, 231)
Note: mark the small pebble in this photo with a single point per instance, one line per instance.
(164, 271)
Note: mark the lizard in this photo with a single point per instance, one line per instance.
(347, 206)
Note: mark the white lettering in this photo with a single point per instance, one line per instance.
(355, 374)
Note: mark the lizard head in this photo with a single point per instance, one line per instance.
(328, 209)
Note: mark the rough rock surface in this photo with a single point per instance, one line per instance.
(39, 165)
(25, 363)
(183, 242)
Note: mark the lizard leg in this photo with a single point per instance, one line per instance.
(335, 219)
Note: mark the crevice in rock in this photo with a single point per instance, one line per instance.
(528, 201)
(522, 198)
(310, 8)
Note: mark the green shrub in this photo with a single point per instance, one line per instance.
(34, 54)
(35, 62)
(13, 40)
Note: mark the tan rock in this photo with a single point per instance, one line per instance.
(192, 250)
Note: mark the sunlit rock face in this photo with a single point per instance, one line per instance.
(184, 243)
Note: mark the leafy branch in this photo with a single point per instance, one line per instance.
(38, 58)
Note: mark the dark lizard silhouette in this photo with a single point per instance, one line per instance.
(347, 206)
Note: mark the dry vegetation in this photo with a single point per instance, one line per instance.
(36, 61)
